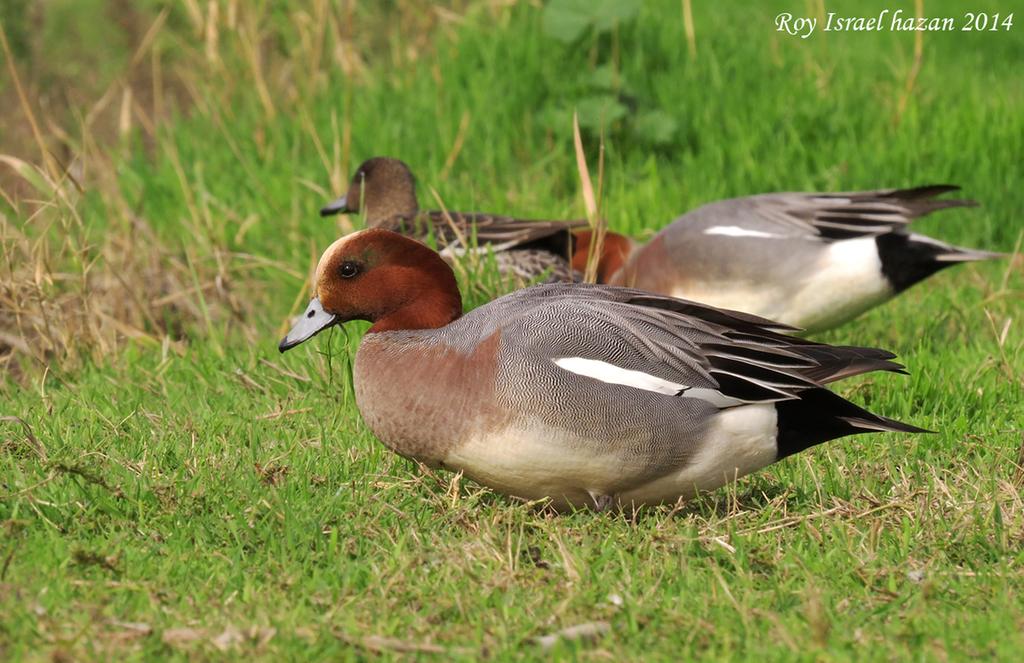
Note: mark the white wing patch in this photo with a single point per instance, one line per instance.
(736, 231)
(612, 374)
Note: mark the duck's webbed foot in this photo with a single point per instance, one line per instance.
(602, 503)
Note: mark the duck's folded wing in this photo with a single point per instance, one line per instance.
(687, 349)
(462, 231)
(830, 216)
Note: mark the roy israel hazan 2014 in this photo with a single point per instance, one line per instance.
(887, 19)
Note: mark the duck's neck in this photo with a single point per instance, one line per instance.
(615, 250)
(430, 310)
(381, 209)
(427, 294)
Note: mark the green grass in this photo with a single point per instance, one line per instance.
(205, 497)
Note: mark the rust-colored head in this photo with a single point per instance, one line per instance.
(614, 253)
(382, 187)
(377, 275)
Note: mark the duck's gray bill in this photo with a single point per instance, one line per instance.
(312, 322)
(338, 206)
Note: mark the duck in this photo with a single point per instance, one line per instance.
(579, 395)
(809, 260)
(525, 250)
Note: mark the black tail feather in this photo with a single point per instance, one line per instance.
(872, 213)
(820, 415)
(922, 200)
(908, 259)
(918, 192)
(833, 363)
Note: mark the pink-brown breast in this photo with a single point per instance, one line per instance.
(423, 398)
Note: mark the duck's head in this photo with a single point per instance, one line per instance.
(614, 253)
(386, 278)
(382, 188)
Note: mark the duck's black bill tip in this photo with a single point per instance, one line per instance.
(313, 321)
(338, 206)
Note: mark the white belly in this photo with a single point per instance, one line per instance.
(846, 281)
(538, 462)
(741, 440)
(765, 299)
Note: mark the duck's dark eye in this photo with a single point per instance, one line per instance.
(348, 269)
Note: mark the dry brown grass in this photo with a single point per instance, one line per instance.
(591, 200)
(73, 288)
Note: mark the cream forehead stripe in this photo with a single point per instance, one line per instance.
(331, 250)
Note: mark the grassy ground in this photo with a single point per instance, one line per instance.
(171, 486)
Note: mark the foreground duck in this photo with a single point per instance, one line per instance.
(586, 395)
(384, 189)
(809, 260)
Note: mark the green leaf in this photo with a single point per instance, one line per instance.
(606, 14)
(599, 111)
(556, 118)
(656, 127)
(566, 20)
(606, 77)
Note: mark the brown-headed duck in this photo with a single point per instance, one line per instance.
(384, 190)
(586, 395)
